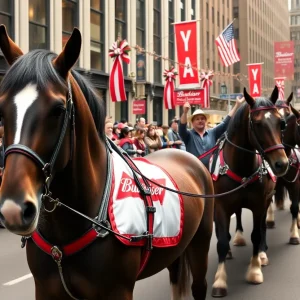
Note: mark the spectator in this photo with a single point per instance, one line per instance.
(141, 123)
(152, 139)
(166, 143)
(139, 141)
(109, 128)
(174, 136)
(199, 139)
(126, 142)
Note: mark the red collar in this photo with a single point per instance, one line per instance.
(67, 250)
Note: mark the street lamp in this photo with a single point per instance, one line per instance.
(224, 92)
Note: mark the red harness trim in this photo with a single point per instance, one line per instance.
(208, 152)
(231, 174)
(69, 249)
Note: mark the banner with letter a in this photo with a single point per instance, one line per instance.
(187, 54)
(255, 79)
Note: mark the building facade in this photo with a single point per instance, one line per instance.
(295, 36)
(47, 24)
(259, 23)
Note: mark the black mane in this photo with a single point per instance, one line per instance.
(36, 66)
(238, 119)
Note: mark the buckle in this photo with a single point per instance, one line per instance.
(223, 170)
(101, 232)
(56, 254)
(150, 209)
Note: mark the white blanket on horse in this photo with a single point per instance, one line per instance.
(127, 211)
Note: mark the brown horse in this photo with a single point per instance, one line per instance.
(39, 125)
(256, 126)
(290, 181)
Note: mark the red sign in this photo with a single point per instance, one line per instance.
(255, 80)
(128, 189)
(191, 96)
(187, 50)
(284, 59)
(139, 107)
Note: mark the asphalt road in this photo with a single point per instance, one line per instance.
(281, 277)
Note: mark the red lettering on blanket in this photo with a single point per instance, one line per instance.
(128, 188)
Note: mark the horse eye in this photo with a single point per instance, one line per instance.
(57, 111)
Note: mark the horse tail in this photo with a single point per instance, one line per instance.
(180, 275)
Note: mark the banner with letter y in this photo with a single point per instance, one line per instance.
(255, 79)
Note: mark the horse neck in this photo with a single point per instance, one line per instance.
(290, 140)
(81, 184)
(238, 160)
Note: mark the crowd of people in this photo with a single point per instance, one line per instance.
(141, 139)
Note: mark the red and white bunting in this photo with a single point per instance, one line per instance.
(119, 51)
(206, 82)
(169, 97)
(187, 54)
(255, 79)
(279, 82)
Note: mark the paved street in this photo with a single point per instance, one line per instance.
(282, 276)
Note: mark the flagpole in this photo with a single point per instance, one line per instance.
(229, 24)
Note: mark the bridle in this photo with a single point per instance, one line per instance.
(260, 150)
(47, 167)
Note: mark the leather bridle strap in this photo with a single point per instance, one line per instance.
(22, 149)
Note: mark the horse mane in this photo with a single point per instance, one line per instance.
(238, 119)
(36, 66)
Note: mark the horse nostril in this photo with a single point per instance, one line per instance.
(278, 165)
(29, 212)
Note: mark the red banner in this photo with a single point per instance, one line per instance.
(284, 59)
(255, 79)
(139, 107)
(192, 96)
(187, 50)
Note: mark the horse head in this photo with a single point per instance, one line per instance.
(265, 131)
(290, 133)
(36, 108)
(297, 131)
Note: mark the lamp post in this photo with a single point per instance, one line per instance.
(224, 92)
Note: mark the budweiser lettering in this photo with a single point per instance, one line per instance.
(128, 188)
(186, 94)
(285, 54)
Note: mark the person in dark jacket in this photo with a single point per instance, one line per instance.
(127, 143)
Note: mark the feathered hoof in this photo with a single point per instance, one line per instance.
(239, 242)
(263, 259)
(219, 292)
(229, 255)
(294, 241)
(255, 277)
(270, 224)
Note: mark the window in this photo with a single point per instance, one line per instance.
(236, 12)
(157, 39)
(182, 10)
(207, 40)
(297, 3)
(223, 22)
(213, 15)
(207, 11)
(140, 40)
(218, 18)
(193, 10)
(6, 8)
(171, 30)
(38, 24)
(69, 18)
(97, 35)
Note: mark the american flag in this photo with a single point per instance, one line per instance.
(226, 46)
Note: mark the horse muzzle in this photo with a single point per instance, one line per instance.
(19, 218)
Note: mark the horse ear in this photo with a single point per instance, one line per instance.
(274, 95)
(69, 55)
(10, 50)
(290, 98)
(295, 112)
(248, 98)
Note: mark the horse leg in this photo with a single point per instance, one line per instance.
(279, 195)
(270, 220)
(254, 274)
(263, 245)
(239, 239)
(219, 288)
(294, 196)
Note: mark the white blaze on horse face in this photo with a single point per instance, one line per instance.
(281, 111)
(23, 101)
(268, 115)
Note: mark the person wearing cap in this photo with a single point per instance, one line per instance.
(166, 143)
(199, 139)
(174, 136)
(127, 143)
